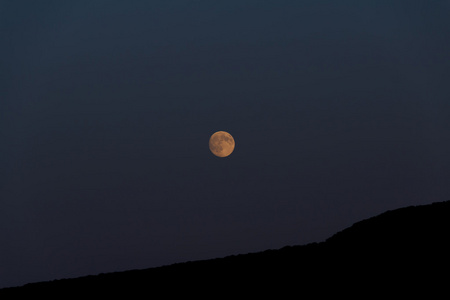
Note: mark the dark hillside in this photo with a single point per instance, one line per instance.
(399, 248)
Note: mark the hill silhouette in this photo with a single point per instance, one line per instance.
(406, 249)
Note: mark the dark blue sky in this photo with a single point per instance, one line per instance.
(340, 110)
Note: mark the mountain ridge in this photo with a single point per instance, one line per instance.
(411, 243)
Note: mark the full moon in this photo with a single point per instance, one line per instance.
(221, 144)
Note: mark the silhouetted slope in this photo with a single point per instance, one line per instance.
(403, 248)
(408, 246)
(406, 227)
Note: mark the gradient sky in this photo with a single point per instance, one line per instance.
(340, 111)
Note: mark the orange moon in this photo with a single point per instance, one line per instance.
(221, 144)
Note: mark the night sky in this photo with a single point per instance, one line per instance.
(340, 111)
